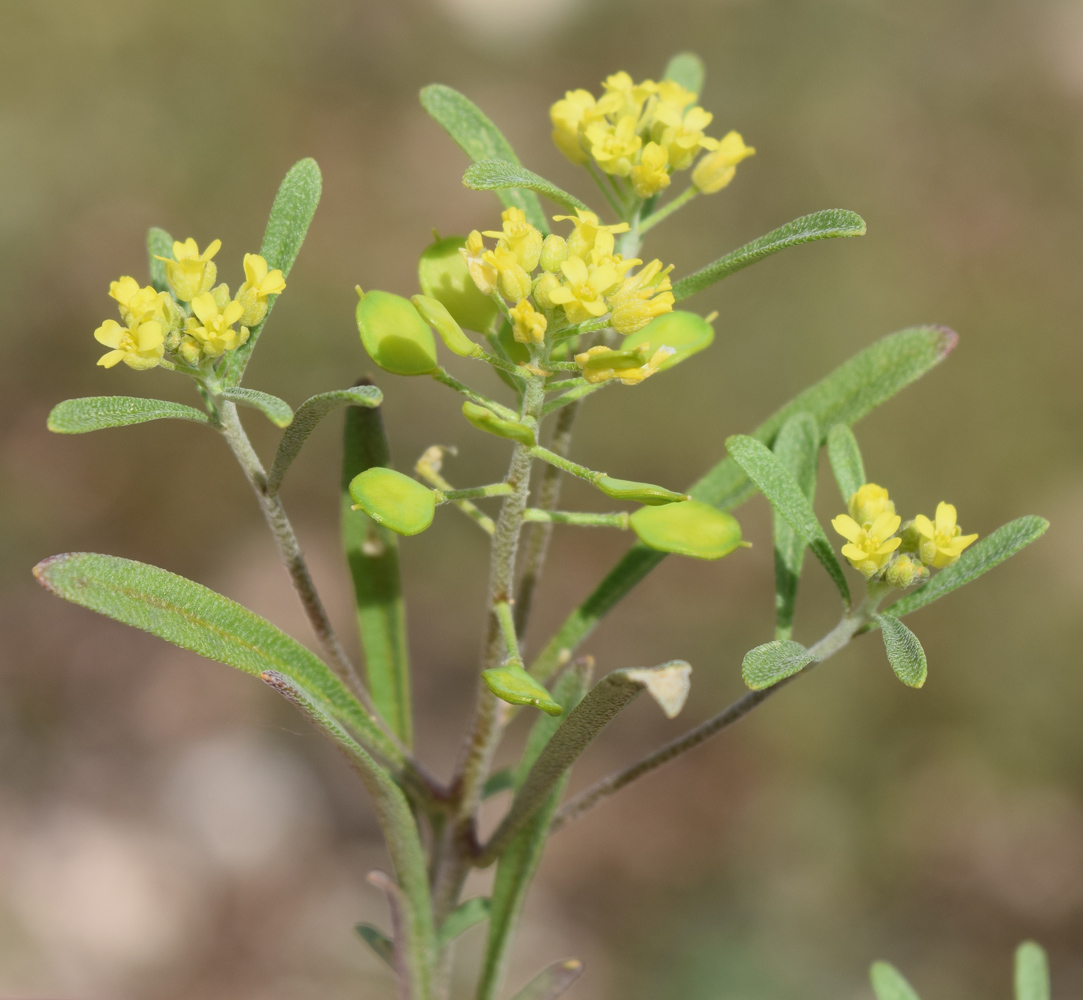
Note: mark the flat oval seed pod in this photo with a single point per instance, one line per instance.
(443, 275)
(688, 529)
(685, 332)
(435, 313)
(393, 500)
(485, 420)
(511, 683)
(395, 336)
(626, 489)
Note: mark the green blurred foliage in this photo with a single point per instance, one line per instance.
(851, 818)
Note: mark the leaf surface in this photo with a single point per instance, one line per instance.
(500, 175)
(96, 413)
(774, 661)
(797, 447)
(904, 651)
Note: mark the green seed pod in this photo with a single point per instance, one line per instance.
(395, 336)
(685, 332)
(485, 420)
(625, 489)
(393, 500)
(688, 529)
(443, 275)
(435, 313)
(511, 683)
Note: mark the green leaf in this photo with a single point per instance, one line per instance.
(467, 914)
(498, 781)
(159, 244)
(845, 396)
(519, 861)
(95, 413)
(824, 225)
(888, 983)
(373, 556)
(480, 139)
(981, 557)
(687, 69)
(553, 982)
(845, 458)
(774, 661)
(278, 411)
(904, 652)
(413, 951)
(193, 617)
(291, 214)
(378, 941)
(668, 684)
(779, 486)
(500, 175)
(310, 413)
(797, 447)
(1031, 972)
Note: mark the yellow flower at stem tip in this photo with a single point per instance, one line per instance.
(212, 324)
(717, 169)
(139, 346)
(567, 116)
(584, 290)
(600, 364)
(682, 134)
(586, 232)
(941, 542)
(614, 147)
(869, 547)
(520, 237)
(868, 503)
(641, 297)
(190, 273)
(650, 176)
(528, 325)
(482, 269)
(259, 283)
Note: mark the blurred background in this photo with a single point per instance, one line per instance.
(169, 829)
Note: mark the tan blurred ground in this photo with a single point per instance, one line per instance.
(169, 830)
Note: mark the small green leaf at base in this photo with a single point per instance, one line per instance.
(378, 941)
(888, 983)
(688, 529)
(904, 652)
(467, 914)
(1031, 972)
(278, 411)
(499, 175)
(394, 500)
(552, 982)
(511, 683)
(774, 661)
(845, 458)
(96, 413)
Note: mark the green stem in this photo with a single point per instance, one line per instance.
(507, 630)
(619, 520)
(428, 467)
(601, 186)
(475, 397)
(474, 493)
(679, 202)
(567, 465)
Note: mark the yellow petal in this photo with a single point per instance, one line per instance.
(945, 518)
(847, 527)
(886, 524)
(110, 334)
(924, 525)
(110, 359)
(205, 307)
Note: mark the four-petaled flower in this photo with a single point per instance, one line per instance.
(212, 324)
(259, 283)
(189, 272)
(941, 542)
(870, 546)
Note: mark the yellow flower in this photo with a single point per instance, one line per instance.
(190, 273)
(641, 297)
(600, 364)
(868, 503)
(682, 134)
(577, 108)
(583, 293)
(528, 325)
(940, 544)
(674, 95)
(650, 176)
(717, 169)
(623, 96)
(478, 262)
(139, 346)
(212, 324)
(543, 288)
(520, 237)
(587, 230)
(614, 147)
(514, 281)
(259, 283)
(869, 547)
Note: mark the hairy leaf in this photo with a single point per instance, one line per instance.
(687, 69)
(904, 652)
(797, 447)
(95, 413)
(553, 982)
(378, 941)
(772, 662)
(480, 139)
(278, 411)
(845, 458)
(500, 175)
(1031, 972)
(467, 914)
(888, 983)
(819, 226)
(159, 244)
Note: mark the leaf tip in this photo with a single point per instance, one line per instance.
(948, 340)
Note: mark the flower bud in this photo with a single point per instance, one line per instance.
(543, 289)
(904, 572)
(717, 169)
(554, 252)
(433, 312)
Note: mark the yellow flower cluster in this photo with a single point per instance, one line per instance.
(192, 321)
(644, 132)
(582, 277)
(872, 543)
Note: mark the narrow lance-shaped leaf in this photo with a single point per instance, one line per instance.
(412, 966)
(766, 665)
(308, 415)
(96, 413)
(467, 914)
(519, 861)
(828, 224)
(785, 496)
(378, 941)
(1031, 972)
(159, 244)
(291, 215)
(981, 557)
(373, 556)
(196, 618)
(797, 447)
(500, 175)
(551, 983)
(687, 69)
(904, 651)
(278, 411)
(667, 684)
(888, 983)
(845, 458)
(845, 396)
(480, 139)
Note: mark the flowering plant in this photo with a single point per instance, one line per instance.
(559, 316)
